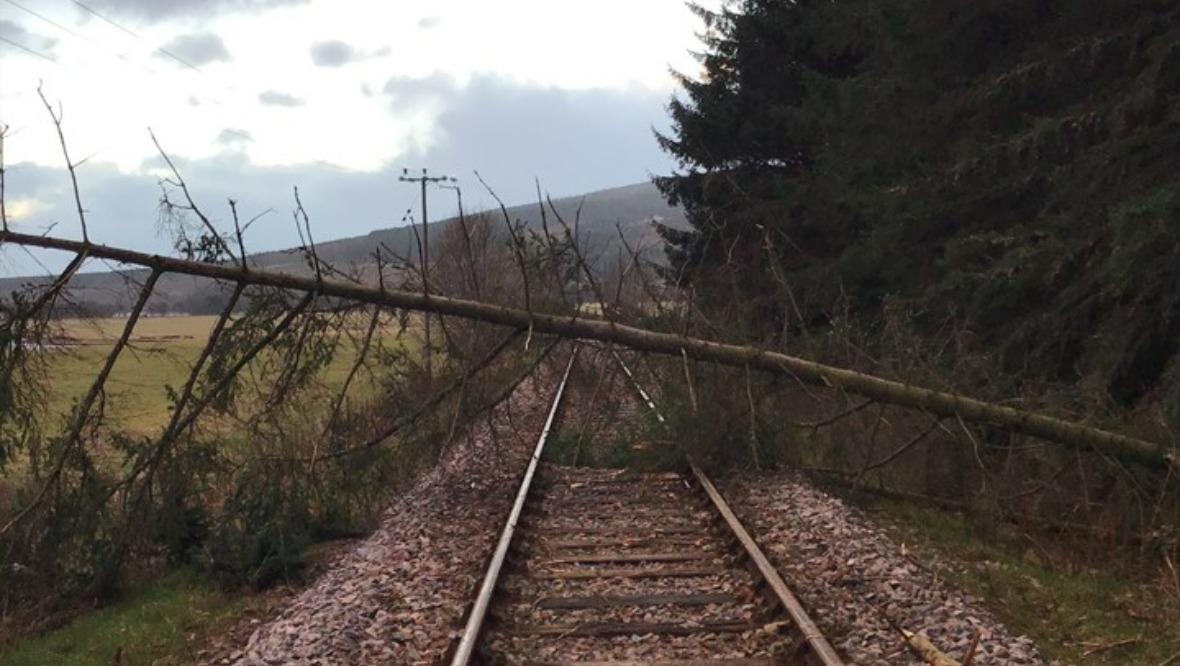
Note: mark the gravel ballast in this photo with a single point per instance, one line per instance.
(398, 596)
(855, 579)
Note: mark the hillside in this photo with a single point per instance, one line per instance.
(630, 208)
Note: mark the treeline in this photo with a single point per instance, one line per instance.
(998, 175)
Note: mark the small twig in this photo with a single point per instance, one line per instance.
(969, 654)
(548, 238)
(257, 348)
(928, 650)
(1106, 647)
(572, 240)
(192, 205)
(1174, 659)
(57, 117)
(3, 204)
(975, 448)
(361, 356)
(816, 425)
(753, 419)
(913, 441)
(301, 214)
(430, 404)
(238, 231)
(692, 394)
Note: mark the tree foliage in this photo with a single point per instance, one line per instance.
(1006, 163)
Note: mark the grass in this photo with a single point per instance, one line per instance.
(161, 623)
(165, 622)
(1080, 615)
(166, 619)
(160, 354)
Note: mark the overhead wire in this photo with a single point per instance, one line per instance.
(203, 97)
(30, 51)
(159, 49)
(69, 31)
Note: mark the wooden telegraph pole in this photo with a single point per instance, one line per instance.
(423, 180)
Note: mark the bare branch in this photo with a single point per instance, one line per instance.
(70, 166)
(911, 443)
(3, 171)
(82, 411)
(192, 205)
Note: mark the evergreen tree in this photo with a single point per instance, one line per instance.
(746, 147)
(1009, 163)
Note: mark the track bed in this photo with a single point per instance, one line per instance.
(622, 568)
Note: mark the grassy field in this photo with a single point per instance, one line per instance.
(1084, 616)
(160, 354)
(162, 620)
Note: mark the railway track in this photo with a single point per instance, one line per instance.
(607, 566)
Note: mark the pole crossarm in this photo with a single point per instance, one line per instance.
(939, 403)
(424, 259)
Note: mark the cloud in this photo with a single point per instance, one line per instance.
(573, 141)
(232, 136)
(29, 40)
(415, 92)
(275, 98)
(429, 22)
(123, 208)
(197, 49)
(332, 53)
(152, 11)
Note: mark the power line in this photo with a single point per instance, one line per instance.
(202, 97)
(96, 13)
(75, 34)
(136, 35)
(44, 18)
(29, 50)
(423, 180)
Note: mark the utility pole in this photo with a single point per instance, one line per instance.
(424, 179)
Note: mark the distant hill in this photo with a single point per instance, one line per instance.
(600, 216)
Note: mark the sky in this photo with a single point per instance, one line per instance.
(253, 98)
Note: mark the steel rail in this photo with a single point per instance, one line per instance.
(820, 646)
(467, 641)
(635, 382)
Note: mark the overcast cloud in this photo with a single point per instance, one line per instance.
(335, 97)
(26, 38)
(573, 142)
(332, 53)
(152, 11)
(276, 98)
(233, 136)
(197, 49)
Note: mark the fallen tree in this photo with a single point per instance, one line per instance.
(939, 403)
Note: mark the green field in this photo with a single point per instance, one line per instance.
(160, 620)
(159, 354)
(155, 624)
